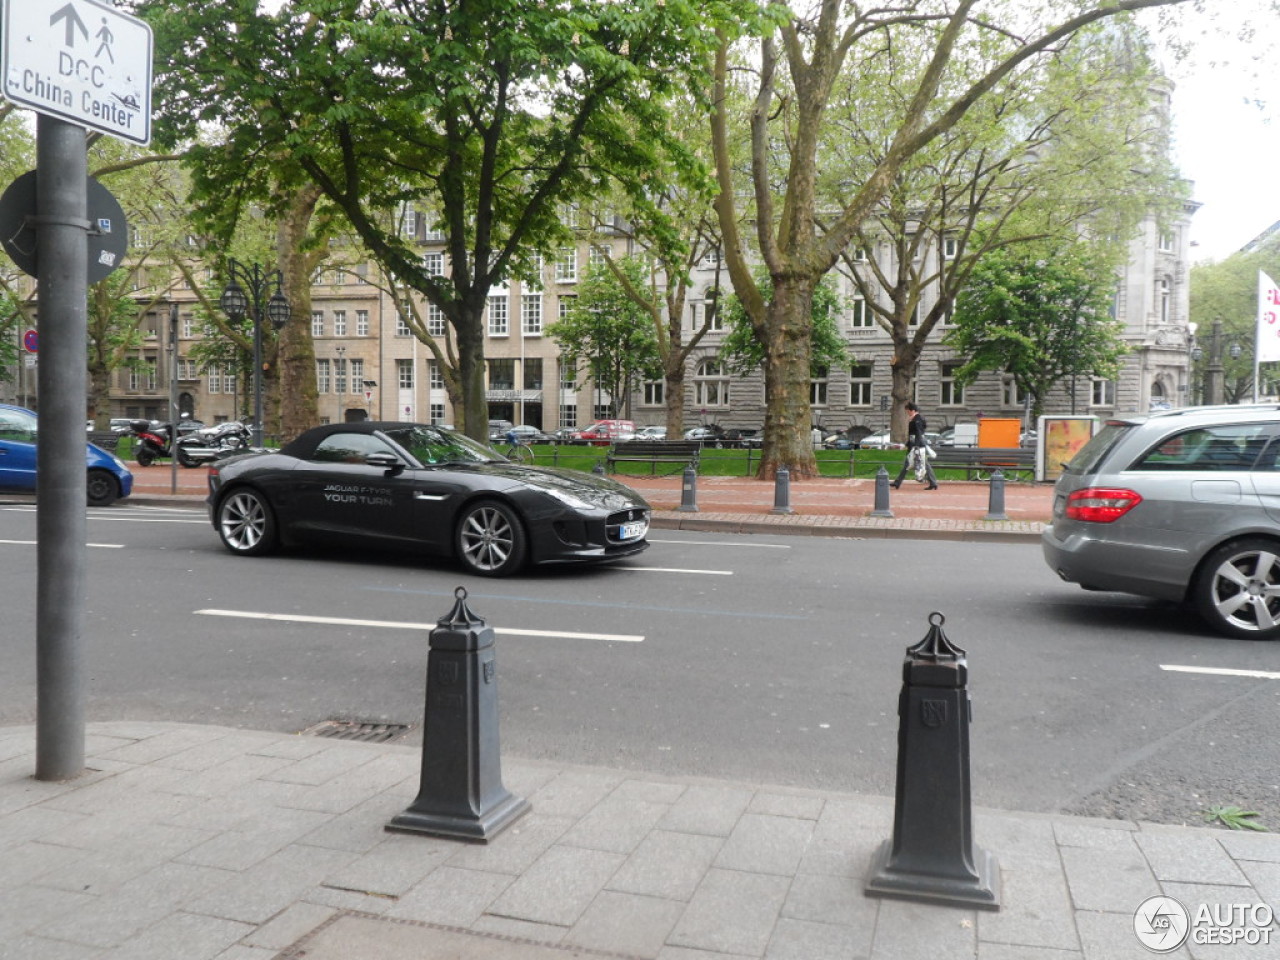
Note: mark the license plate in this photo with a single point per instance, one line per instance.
(632, 531)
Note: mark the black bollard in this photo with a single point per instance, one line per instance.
(932, 856)
(995, 499)
(461, 795)
(782, 491)
(689, 490)
(881, 508)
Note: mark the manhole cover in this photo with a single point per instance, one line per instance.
(369, 731)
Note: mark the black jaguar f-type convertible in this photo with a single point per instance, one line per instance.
(426, 489)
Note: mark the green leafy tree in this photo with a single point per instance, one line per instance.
(490, 115)
(1227, 291)
(1040, 313)
(608, 332)
(971, 49)
(1078, 146)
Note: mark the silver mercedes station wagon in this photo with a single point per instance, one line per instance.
(1182, 505)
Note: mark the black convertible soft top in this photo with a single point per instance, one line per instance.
(304, 446)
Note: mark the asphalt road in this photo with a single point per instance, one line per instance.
(769, 658)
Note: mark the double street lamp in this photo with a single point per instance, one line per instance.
(244, 296)
(1213, 371)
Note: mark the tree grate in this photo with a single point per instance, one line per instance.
(366, 731)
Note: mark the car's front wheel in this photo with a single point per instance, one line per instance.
(103, 489)
(490, 539)
(1238, 589)
(246, 523)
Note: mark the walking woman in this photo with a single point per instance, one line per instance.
(917, 450)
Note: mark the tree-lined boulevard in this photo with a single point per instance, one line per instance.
(773, 659)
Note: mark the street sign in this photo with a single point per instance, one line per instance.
(31, 341)
(80, 61)
(108, 234)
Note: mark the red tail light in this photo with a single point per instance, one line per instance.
(1101, 504)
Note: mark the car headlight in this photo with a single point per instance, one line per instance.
(568, 499)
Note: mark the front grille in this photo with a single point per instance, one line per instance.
(613, 525)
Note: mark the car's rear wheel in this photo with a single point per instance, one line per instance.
(103, 489)
(1237, 591)
(144, 456)
(490, 539)
(246, 523)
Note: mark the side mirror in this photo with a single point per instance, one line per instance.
(385, 461)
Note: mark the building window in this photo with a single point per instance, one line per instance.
(339, 376)
(1162, 297)
(357, 375)
(861, 254)
(531, 314)
(437, 413)
(229, 380)
(532, 373)
(654, 393)
(435, 376)
(317, 323)
(564, 306)
(707, 310)
(404, 374)
(409, 223)
(1011, 394)
(860, 385)
(322, 376)
(498, 323)
(859, 315)
(949, 248)
(569, 415)
(597, 255)
(568, 376)
(950, 393)
(567, 266)
(711, 385)
(362, 323)
(402, 326)
(188, 326)
(339, 323)
(435, 320)
(818, 388)
(433, 264)
(1103, 393)
(502, 374)
(215, 379)
(1168, 241)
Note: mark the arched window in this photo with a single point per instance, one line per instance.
(710, 384)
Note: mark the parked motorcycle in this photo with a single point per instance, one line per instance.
(210, 443)
(153, 440)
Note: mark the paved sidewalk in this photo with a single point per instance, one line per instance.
(823, 507)
(189, 842)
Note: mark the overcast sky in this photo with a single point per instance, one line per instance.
(1227, 124)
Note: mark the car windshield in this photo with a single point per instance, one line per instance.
(17, 426)
(432, 445)
(1090, 455)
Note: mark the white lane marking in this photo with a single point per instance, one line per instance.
(407, 625)
(105, 516)
(1222, 671)
(724, 543)
(103, 546)
(709, 573)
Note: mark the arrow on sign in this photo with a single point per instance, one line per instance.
(69, 14)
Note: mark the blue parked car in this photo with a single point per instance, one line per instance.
(109, 478)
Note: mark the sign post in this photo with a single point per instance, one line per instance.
(78, 64)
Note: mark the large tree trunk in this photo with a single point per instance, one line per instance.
(474, 410)
(290, 382)
(787, 376)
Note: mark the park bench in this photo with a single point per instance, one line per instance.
(978, 463)
(675, 453)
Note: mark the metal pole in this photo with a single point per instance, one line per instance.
(257, 361)
(173, 398)
(1213, 372)
(61, 564)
